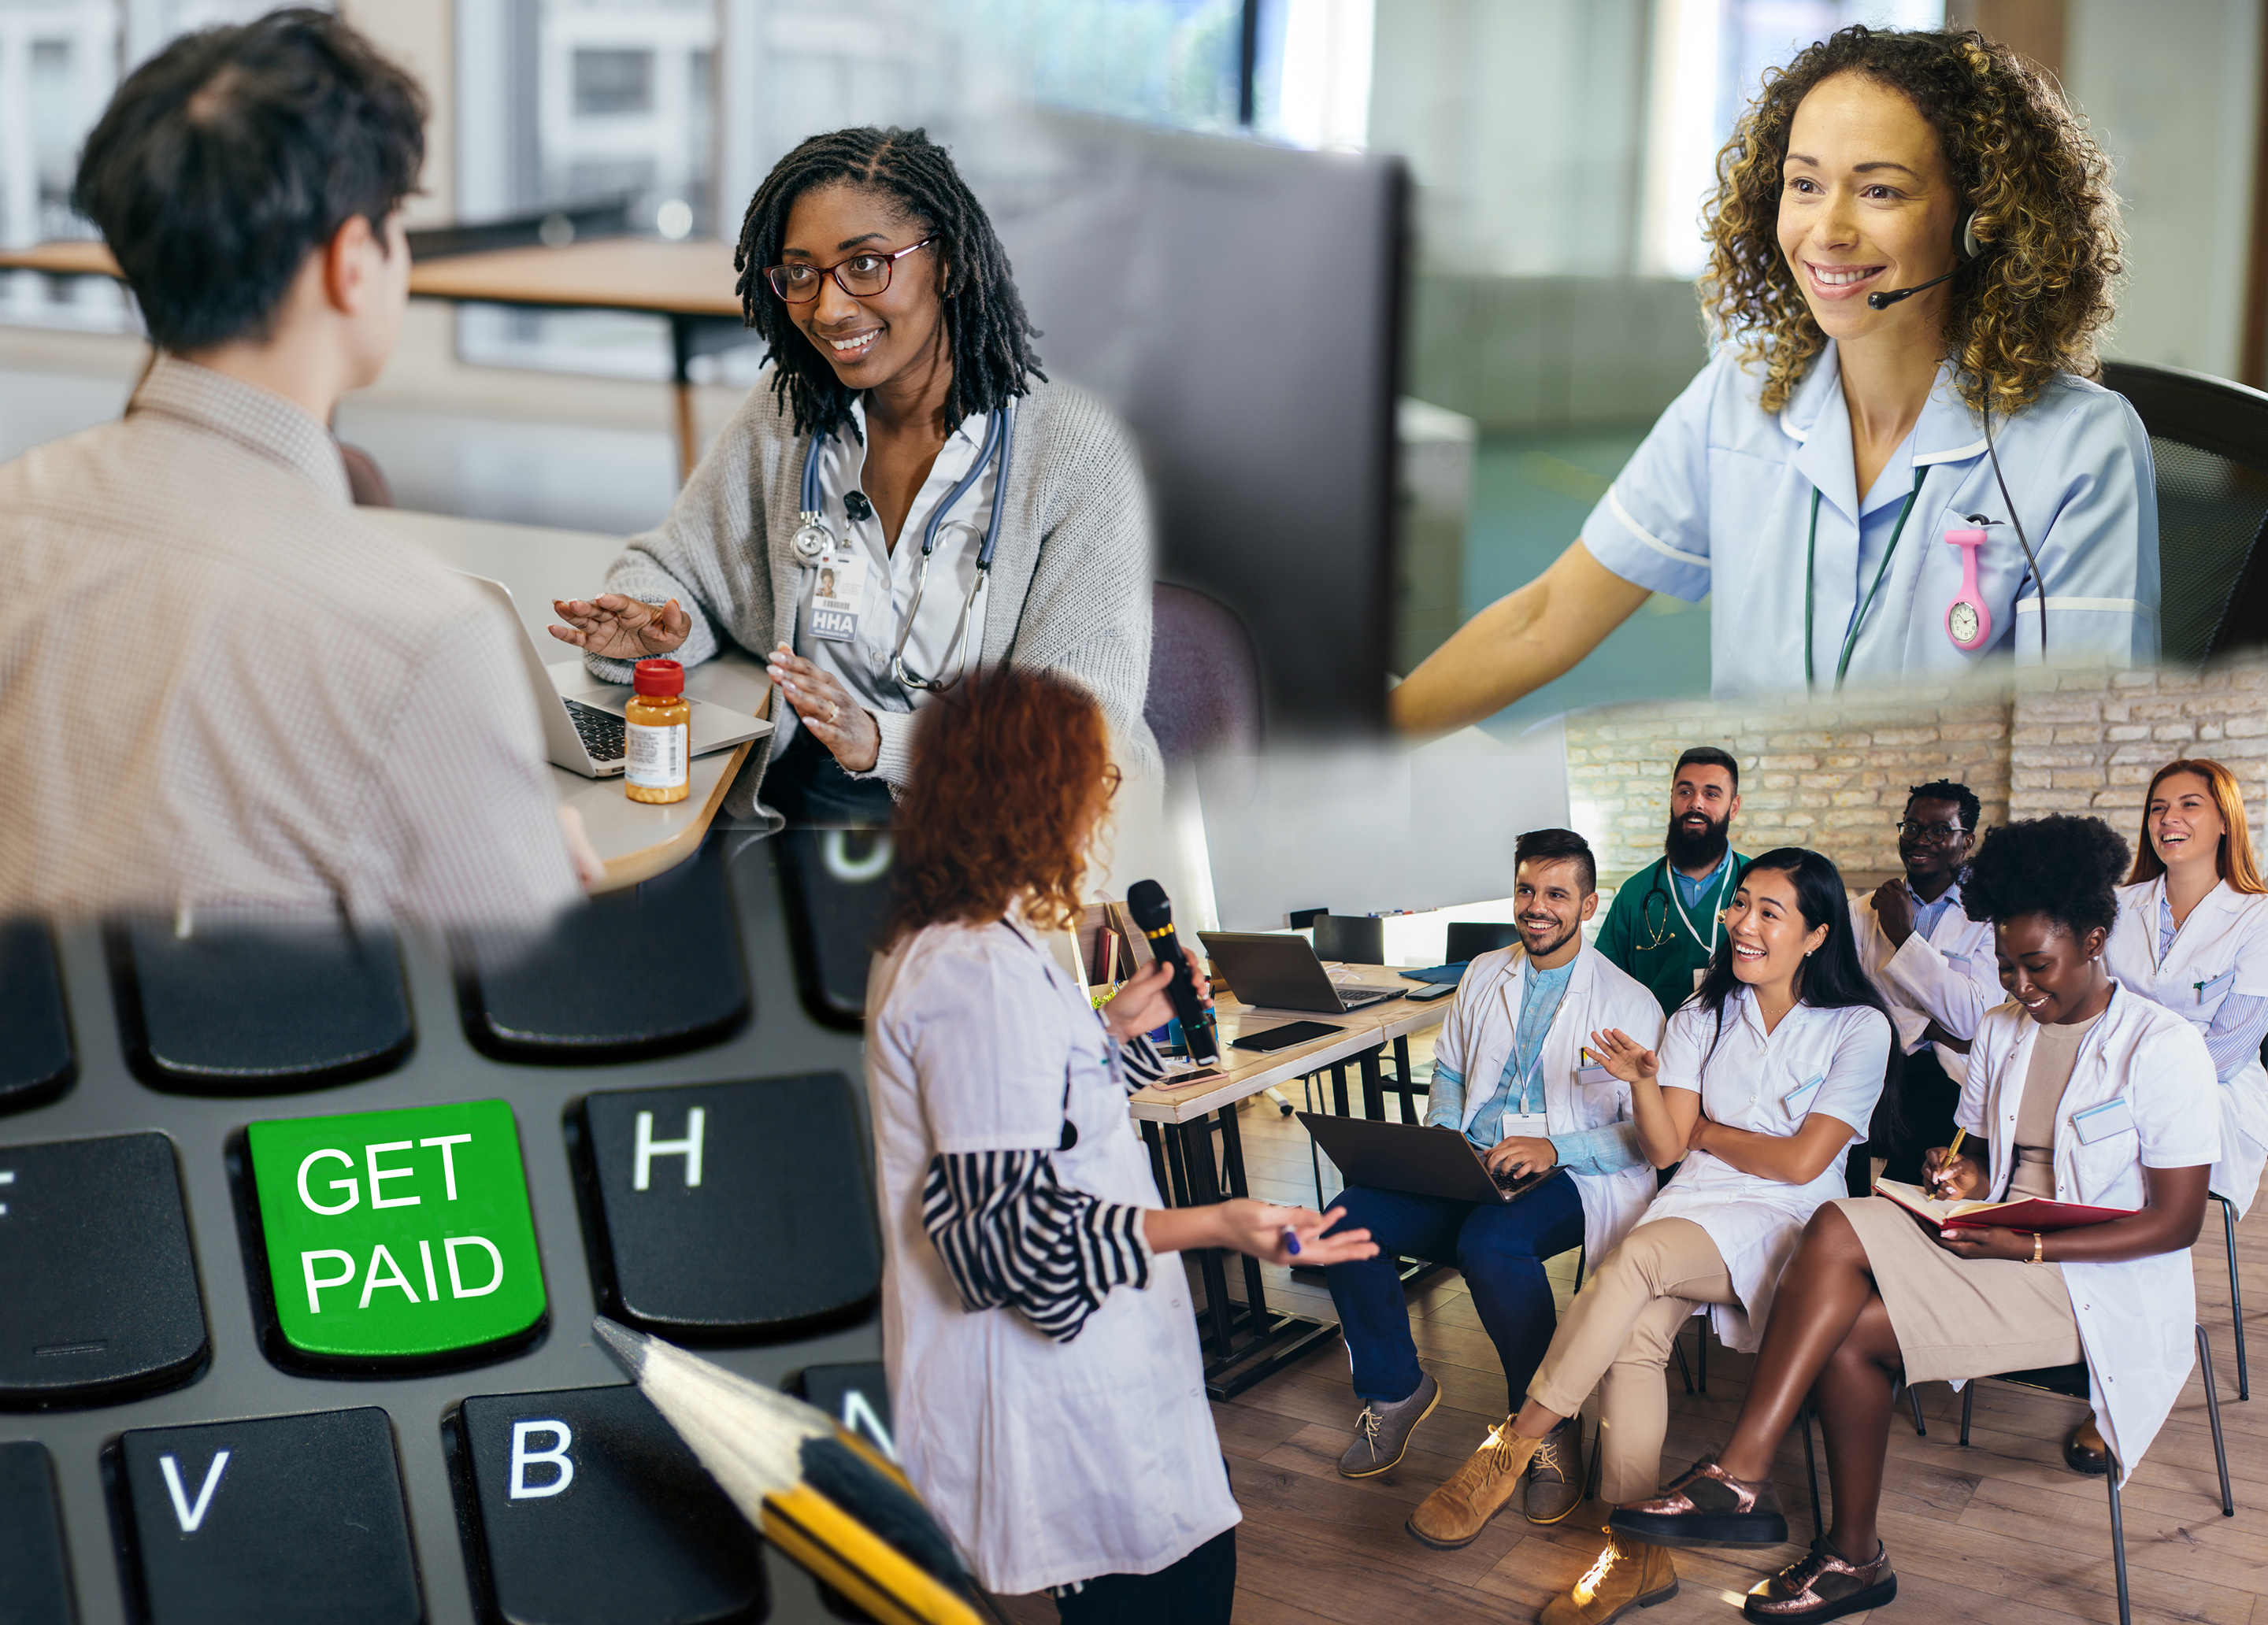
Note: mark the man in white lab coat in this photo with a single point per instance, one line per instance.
(1935, 968)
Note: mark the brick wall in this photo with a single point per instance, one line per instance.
(2088, 742)
(1829, 776)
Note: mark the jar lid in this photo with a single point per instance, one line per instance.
(658, 677)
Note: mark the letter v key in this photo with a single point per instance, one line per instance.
(191, 1517)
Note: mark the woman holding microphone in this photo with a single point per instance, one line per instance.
(905, 448)
(1765, 1078)
(1913, 244)
(1041, 1348)
(2079, 1091)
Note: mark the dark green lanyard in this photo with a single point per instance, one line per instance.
(1810, 561)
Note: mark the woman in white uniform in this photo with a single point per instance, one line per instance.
(905, 443)
(2079, 1090)
(1817, 480)
(1765, 1078)
(1041, 1348)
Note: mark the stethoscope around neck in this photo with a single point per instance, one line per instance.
(813, 540)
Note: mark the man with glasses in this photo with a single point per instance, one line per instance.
(1934, 966)
(1662, 926)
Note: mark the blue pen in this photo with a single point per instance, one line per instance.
(1291, 1241)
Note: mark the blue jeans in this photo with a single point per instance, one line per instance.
(1499, 1247)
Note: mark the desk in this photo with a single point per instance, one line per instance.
(638, 841)
(1246, 1342)
(690, 284)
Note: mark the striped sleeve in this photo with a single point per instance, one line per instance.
(1012, 1237)
(1139, 1063)
(2234, 1037)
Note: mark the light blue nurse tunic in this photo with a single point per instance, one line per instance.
(1718, 500)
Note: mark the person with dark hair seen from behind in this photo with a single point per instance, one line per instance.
(2193, 934)
(2080, 1090)
(905, 439)
(1664, 923)
(1914, 245)
(1763, 1080)
(1041, 1348)
(1935, 966)
(1510, 1074)
(240, 731)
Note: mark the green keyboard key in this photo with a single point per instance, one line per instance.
(396, 1237)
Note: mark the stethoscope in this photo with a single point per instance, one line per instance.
(813, 540)
(1663, 885)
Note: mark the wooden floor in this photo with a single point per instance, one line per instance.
(2000, 1532)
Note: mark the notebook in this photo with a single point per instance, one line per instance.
(2032, 1213)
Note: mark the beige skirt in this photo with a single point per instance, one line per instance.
(1961, 1317)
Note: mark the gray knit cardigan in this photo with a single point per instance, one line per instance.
(1071, 576)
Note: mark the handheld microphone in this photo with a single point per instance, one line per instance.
(1883, 301)
(1146, 902)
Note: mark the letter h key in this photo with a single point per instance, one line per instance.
(648, 1148)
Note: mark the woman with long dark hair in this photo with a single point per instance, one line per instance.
(1041, 1348)
(1765, 1078)
(2079, 1090)
(905, 442)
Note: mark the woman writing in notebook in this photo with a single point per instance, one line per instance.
(1765, 1079)
(2079, 1091)
(1041, 1344)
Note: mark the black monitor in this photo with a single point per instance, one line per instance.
(1242, 306)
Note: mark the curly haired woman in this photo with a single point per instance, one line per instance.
(1041, 1352)
(1914, 248)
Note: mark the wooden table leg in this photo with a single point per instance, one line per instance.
(681, 345)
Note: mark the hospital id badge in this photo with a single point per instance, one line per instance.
(836, 597)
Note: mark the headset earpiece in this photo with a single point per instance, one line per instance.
(1965, 241)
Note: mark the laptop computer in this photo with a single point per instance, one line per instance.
(1435, 1161)
(583, 730)
(1283, 973)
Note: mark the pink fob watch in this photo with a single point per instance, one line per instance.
(1967, 622)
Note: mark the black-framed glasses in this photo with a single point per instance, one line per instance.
(1930, 832)
(862, 275)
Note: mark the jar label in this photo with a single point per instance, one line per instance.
(657, 755)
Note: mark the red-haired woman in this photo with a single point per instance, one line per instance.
(2193, 934)
(1042, 1355)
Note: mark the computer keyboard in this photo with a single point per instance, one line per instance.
(601, 732)
(300, 1243)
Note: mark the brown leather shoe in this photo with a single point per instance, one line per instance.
(1454, 1515)
(1706, 1506)
(1822, 1584)
(1555, 1477)
(2086, 1450)
(1628, 1573)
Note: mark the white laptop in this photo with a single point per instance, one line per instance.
(583, 730)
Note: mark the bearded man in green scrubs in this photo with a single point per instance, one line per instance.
(1662, 926)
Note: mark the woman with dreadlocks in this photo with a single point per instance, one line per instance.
(906, 497)
(1913, 245)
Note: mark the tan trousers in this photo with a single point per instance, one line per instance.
(1619, 1330)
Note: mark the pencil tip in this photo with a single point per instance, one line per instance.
(627, 1347)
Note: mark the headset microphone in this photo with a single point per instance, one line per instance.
(1883, 301)
(1145, 900)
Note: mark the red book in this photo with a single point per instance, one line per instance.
(2033, 1213)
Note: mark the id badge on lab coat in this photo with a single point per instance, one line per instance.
(838, 597)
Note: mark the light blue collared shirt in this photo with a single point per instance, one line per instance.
(1927, 915)
(1718, 501)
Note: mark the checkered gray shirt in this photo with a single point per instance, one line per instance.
(220, 687)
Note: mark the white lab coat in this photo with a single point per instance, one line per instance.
(2223, 945)
(1046, 1462)
(1477, 1040)
(1718, 501)
(2137, 1319)
(1951, 976)
(1825, 1061)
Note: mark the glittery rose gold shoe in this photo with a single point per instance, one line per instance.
(1706, 1507)
(1822, 1584)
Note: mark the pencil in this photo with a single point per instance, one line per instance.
(1953, 1150)
(825, 1497)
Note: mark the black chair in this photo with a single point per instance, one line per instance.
(2235, 1291)
(1350, 938)
(2072, 1382)
(2209, 441)
(1204, 678)
(1468, 939)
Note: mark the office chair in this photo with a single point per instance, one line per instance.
(1468, 939)
(2209, 441)
(1204, 678)
(2071, 1381)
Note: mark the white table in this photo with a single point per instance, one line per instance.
(639, 839)
(1246, 1341)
